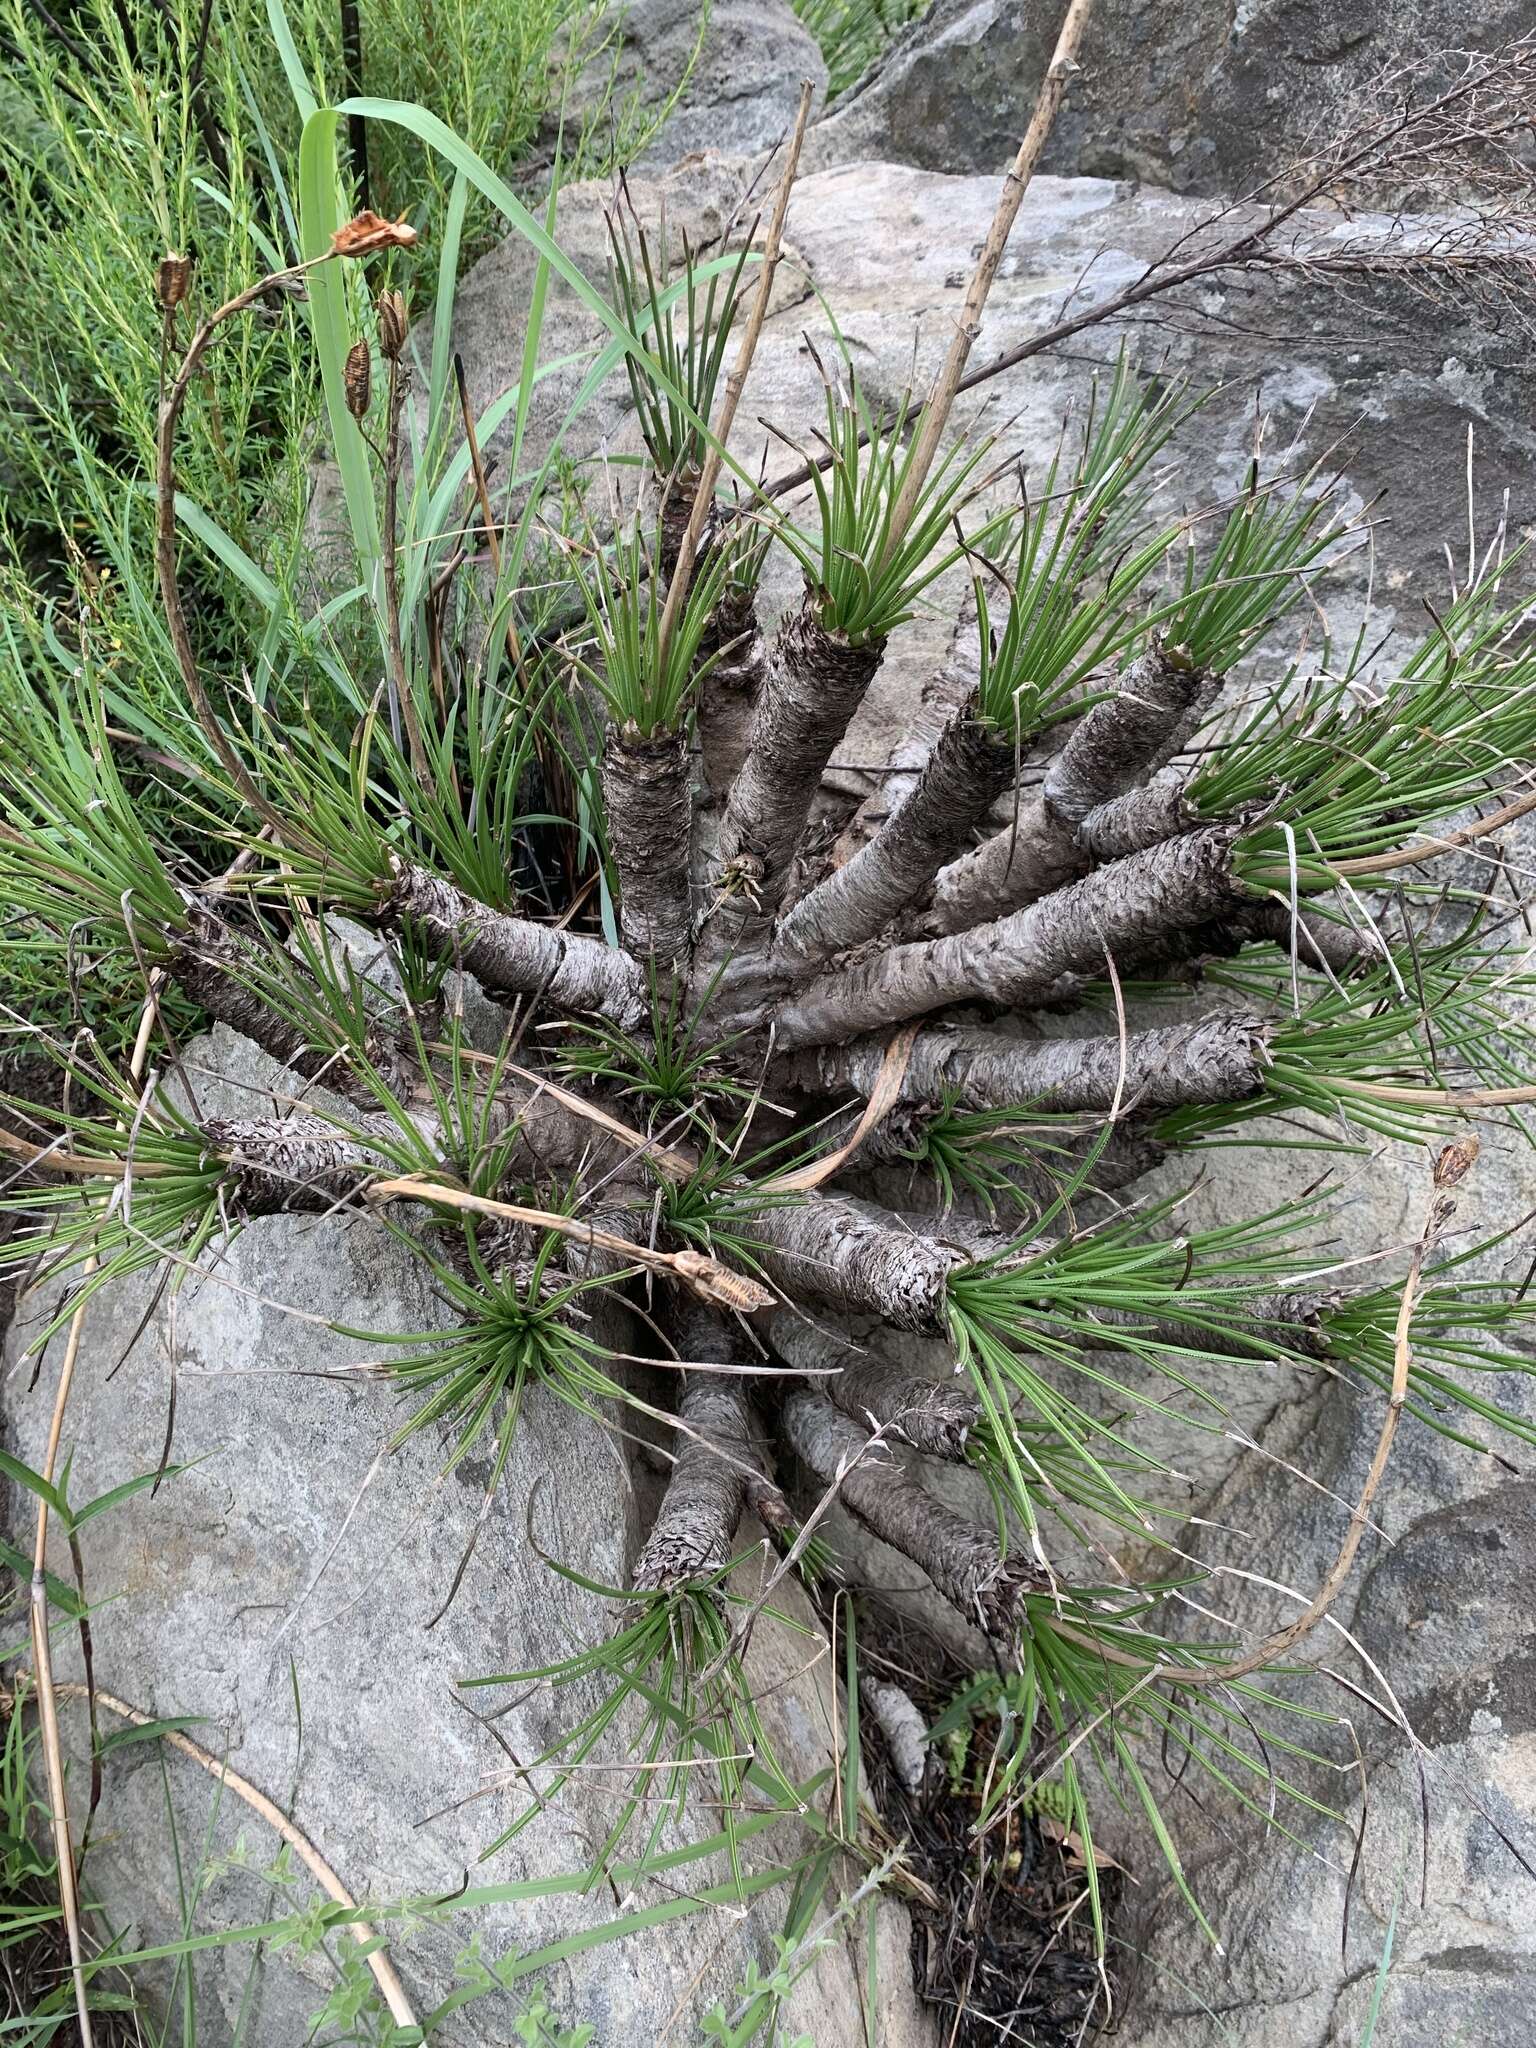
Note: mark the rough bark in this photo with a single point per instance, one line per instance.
(514, 956)
(970, 766)
(1114, 746)
(946, 690)
(216, 966)
(1217, 1059)
(935, 1416)
(815, 681)
(1259, 1325)
(1140, 818)
(733, 634)
(696, 1524)
(672, 516)
(1319, 943)
(646, 792)
(1120, 910)
(714, 1479)
(1033, 855)
(730, 690)
(964, 1561)
(837, 1251)
(289, 1163)
(1088, 809)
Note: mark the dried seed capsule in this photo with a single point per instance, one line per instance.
(366, 233)
(358, 379)
(393, 326)
(173, 280)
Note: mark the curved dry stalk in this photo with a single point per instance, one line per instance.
(165, 531)
(1371, 865)
(711, 1281)
(400, 682)
(391, 1990)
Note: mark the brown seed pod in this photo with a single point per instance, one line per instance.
(358, 379)
(366, 233)
(173, 280)
(393, 325)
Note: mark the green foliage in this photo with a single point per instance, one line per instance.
(648, 687)
(1346, 768)
(686, 330)
(156, 1195)
(1436, 1014)
(1114, 1287)
(75, 843)
(670, 1680)
(1256, 571)
(515, 1329)
(1470, 1328)
(861, 586)
(1086, 1699)
(1075, 559)
(676, 1074)
(853, 34)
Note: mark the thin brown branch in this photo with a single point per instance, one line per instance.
(735, 384)
(384, 1973)
(947, 384)
(1450, 1169)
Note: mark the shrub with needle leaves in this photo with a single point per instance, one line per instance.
(671, 1680)
(861, 585)
(639, 1037)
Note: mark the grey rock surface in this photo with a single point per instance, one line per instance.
(1209, 97)
(283, 1590)
(892, 248)
(743, 79)
(1445, 1820)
